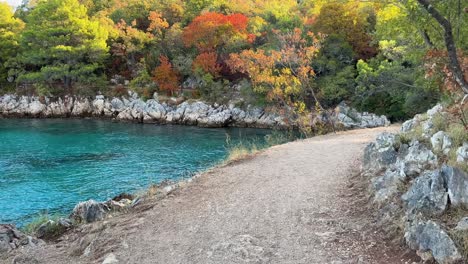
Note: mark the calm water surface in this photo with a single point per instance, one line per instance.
(49, 165)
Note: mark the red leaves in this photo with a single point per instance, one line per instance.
(211, 30)
(166, 77)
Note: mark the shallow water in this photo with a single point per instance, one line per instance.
(47, 166)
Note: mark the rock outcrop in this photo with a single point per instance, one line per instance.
(351, 118)
(173, 111)
(92, 211)
(11, 238)
(415, 181)
(134, 109)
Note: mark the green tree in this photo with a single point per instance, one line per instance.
(10, 29)
(335, 70)
(62, 44)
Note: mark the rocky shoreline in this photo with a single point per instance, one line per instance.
(171, 111)
(419, 182)
(134, 109)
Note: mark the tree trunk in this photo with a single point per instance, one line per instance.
(67, 83)
(449, 43)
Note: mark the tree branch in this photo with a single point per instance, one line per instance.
(449, 43)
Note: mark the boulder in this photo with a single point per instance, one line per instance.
(117, 105)
(220, 119)
(437, 109)
(381, 154)
(457, 185)
(428, 237)
(351, 118)
(36, 108)
(386, 186)
(155, 111)
(427, 194)
(428, 128)
(409, 125)
(462, 153)
(441, 142)
(98, 106)
(81, 107)
(194, 112)
(89, 211)
(125, 115)
(418, 159)
(60, 108)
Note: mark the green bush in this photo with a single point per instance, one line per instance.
(394, 89)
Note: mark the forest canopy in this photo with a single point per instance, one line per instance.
(394, 57)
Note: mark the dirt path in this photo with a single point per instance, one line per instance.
(294, 203)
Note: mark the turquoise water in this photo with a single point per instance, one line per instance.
(47, 166)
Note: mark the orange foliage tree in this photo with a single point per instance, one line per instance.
(211, 30)
(157, 23)
(207, 62)
(166, 77)
(283, 75)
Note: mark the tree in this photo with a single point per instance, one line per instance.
(166, 77)
(157, 23)
(211, 31)
(283, 75)
(62, 44)
(449, 43)
(129, 47)
(348, 22)
(208, 63)
(10, 29)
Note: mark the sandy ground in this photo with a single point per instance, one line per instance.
(295, 203)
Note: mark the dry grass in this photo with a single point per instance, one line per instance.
(458, 134)
(240, 152)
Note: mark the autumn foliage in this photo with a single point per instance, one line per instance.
(437, 63)
(207, 62)
(282, 75)
(212, 30)
(157, 22)
(166, 77)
